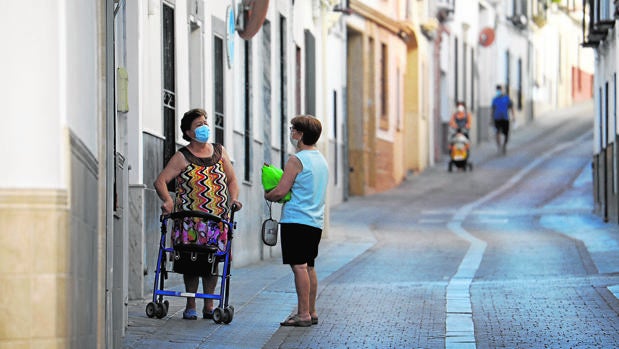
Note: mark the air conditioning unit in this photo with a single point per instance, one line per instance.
(519, 20)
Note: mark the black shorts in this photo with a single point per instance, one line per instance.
(502, 126)
(299, 243)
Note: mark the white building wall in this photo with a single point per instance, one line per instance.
(396, 66)
(235, 102)
(181, 62)
(35, 94)
(53, 98)
(135, 46)
(488, 62)
(80, 102)
(145, 116)
(151, 67)
(546, 61)
(465, 28)
(517, 42)
(335, 67)
(605, 73)
(597, 121)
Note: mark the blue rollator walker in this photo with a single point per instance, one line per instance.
(203, 257)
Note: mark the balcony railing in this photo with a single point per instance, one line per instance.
(597, 21)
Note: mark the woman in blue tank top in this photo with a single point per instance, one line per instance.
(305, 175)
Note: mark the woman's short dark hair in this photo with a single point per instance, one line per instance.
(188, 118)
(310, 126)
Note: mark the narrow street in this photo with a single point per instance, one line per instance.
(132, 109)
(506, 256)
(536, 286)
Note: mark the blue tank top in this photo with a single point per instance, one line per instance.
(307, 203)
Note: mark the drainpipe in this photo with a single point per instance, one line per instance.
(106, 187)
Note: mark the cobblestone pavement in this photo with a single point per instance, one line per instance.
(546, 279)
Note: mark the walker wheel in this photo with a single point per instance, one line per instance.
(228, 314)
(218, 315)
(162, 310)
(151, 309)
(166, 304)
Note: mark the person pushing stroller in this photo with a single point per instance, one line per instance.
(459, 140)
(460, 120)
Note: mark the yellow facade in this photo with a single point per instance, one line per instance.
(386, 124)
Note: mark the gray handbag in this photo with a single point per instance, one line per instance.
(270, 227)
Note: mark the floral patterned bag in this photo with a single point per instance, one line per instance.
(196, 233)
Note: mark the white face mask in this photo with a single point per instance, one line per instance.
(460, 108)
(294, 142)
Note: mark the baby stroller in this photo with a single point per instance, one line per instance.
(459, 151)
(212, 242)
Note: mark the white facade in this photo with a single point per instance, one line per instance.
(85, 131)
(53, 190)
(263, 101)
(475, 69)
(557, 57)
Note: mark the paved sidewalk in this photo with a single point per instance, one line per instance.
(263, 294)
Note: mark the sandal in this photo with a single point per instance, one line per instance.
(315, 320)
(294, 320)
(190, 314)
(207, 314)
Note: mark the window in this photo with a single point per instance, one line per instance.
(464, 70)
(334, 127)
(266, 115)
(196, 55)
(298, 80)
(519, 103)
(310, 73)
(218, 88)
(456, 71)
(398, 99)
(168, 93)
(383, 82)
(616, 155)
(283, 83)
(507, 72)
(472, 82)
(519, 7)
(247, 117)
(604, 10)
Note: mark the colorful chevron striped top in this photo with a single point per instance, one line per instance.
(202, 185)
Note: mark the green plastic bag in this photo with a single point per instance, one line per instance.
(271, 176)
